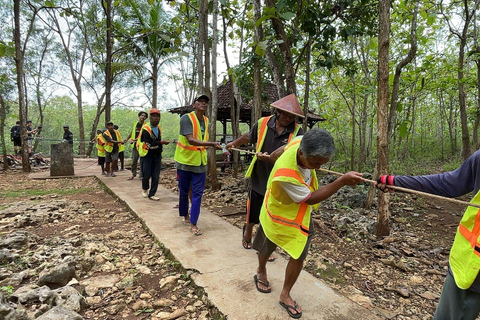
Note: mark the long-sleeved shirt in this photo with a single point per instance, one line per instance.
(461, 181)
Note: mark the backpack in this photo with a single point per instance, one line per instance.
(16, 132)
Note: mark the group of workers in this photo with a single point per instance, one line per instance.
(16, 136)
(284, 191)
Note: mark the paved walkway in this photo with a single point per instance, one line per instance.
(225, 269)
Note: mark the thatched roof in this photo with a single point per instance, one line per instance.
(223, 111)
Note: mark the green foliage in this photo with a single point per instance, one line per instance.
(7, 289)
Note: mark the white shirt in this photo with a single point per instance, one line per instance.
(298, 193)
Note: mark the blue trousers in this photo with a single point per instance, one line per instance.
(197, 180)
(150, 167)
(456, 303)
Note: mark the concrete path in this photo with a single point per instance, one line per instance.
(224, 269)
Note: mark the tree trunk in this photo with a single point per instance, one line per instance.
(107, 6)
(383, 228)
(234, 119)
(257, 74)
(202, 38)
(212, 128)
(155, 82)
(307, 84)
(21, 96)
(93, 133)
(3, 116)
(477, 115)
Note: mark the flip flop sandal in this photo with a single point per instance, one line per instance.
(131, 178)
(257, 281)
(247, 244)
(196, 232)
(290, 313)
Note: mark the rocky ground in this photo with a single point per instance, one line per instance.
(68, 247)
(69, 250)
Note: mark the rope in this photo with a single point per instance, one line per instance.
(395, 187)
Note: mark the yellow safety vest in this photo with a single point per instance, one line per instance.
(133, 133)
(262, 133)
(100, 145)
(142, 146)
(285, 222)
(109, 145)
(465, 253)
(190, 155)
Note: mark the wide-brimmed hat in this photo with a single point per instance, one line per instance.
(289, 104)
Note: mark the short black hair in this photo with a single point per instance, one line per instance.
(18, 122)
(140, 113)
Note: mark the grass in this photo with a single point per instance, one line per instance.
(42, 192)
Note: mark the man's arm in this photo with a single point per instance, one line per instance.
(238, 142)
(348, 179)
(196, 142)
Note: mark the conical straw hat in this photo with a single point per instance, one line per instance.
(289, 104)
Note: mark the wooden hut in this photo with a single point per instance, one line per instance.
(223, 111)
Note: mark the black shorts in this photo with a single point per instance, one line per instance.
(101, 161)
(17, 142)
(266, 247)
(254, 205)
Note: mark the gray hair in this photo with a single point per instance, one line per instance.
(317, 143)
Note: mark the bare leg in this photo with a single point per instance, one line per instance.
(294, 267)
(262, 271)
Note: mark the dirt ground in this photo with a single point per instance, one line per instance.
(399, 277)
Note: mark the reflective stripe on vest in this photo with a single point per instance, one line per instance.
(465, 253)
(109, 145)
(142, 146)
(261, 134)
(285, 222)
(187, 154)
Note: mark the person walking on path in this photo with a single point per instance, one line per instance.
(150, 150)
(67, 134)
(191, 160)
(285, 217)
(270, 134)
(100, 143)
(30, 133)
(16, 138)
(121, 153)
(114, 139)
(137, 127)
(460, 298)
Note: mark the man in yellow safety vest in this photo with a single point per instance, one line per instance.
(134, 135)
(270, 134)
(285, 217)
(191, 160)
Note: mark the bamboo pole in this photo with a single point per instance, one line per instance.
(412, 191)
(465, 203)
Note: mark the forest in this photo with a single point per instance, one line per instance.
(398, 82)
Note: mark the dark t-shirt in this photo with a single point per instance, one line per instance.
(273, 141)
(138, 127)
(461, 181)
(29, 136)
(68, 136)
(15, 133)
(153, 142)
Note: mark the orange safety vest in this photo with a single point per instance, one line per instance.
(109, 145)
(262, 133)
(285, 222)
(142, 146)
(187, 154)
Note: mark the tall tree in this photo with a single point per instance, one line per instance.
(468, 14)
(383, 228)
